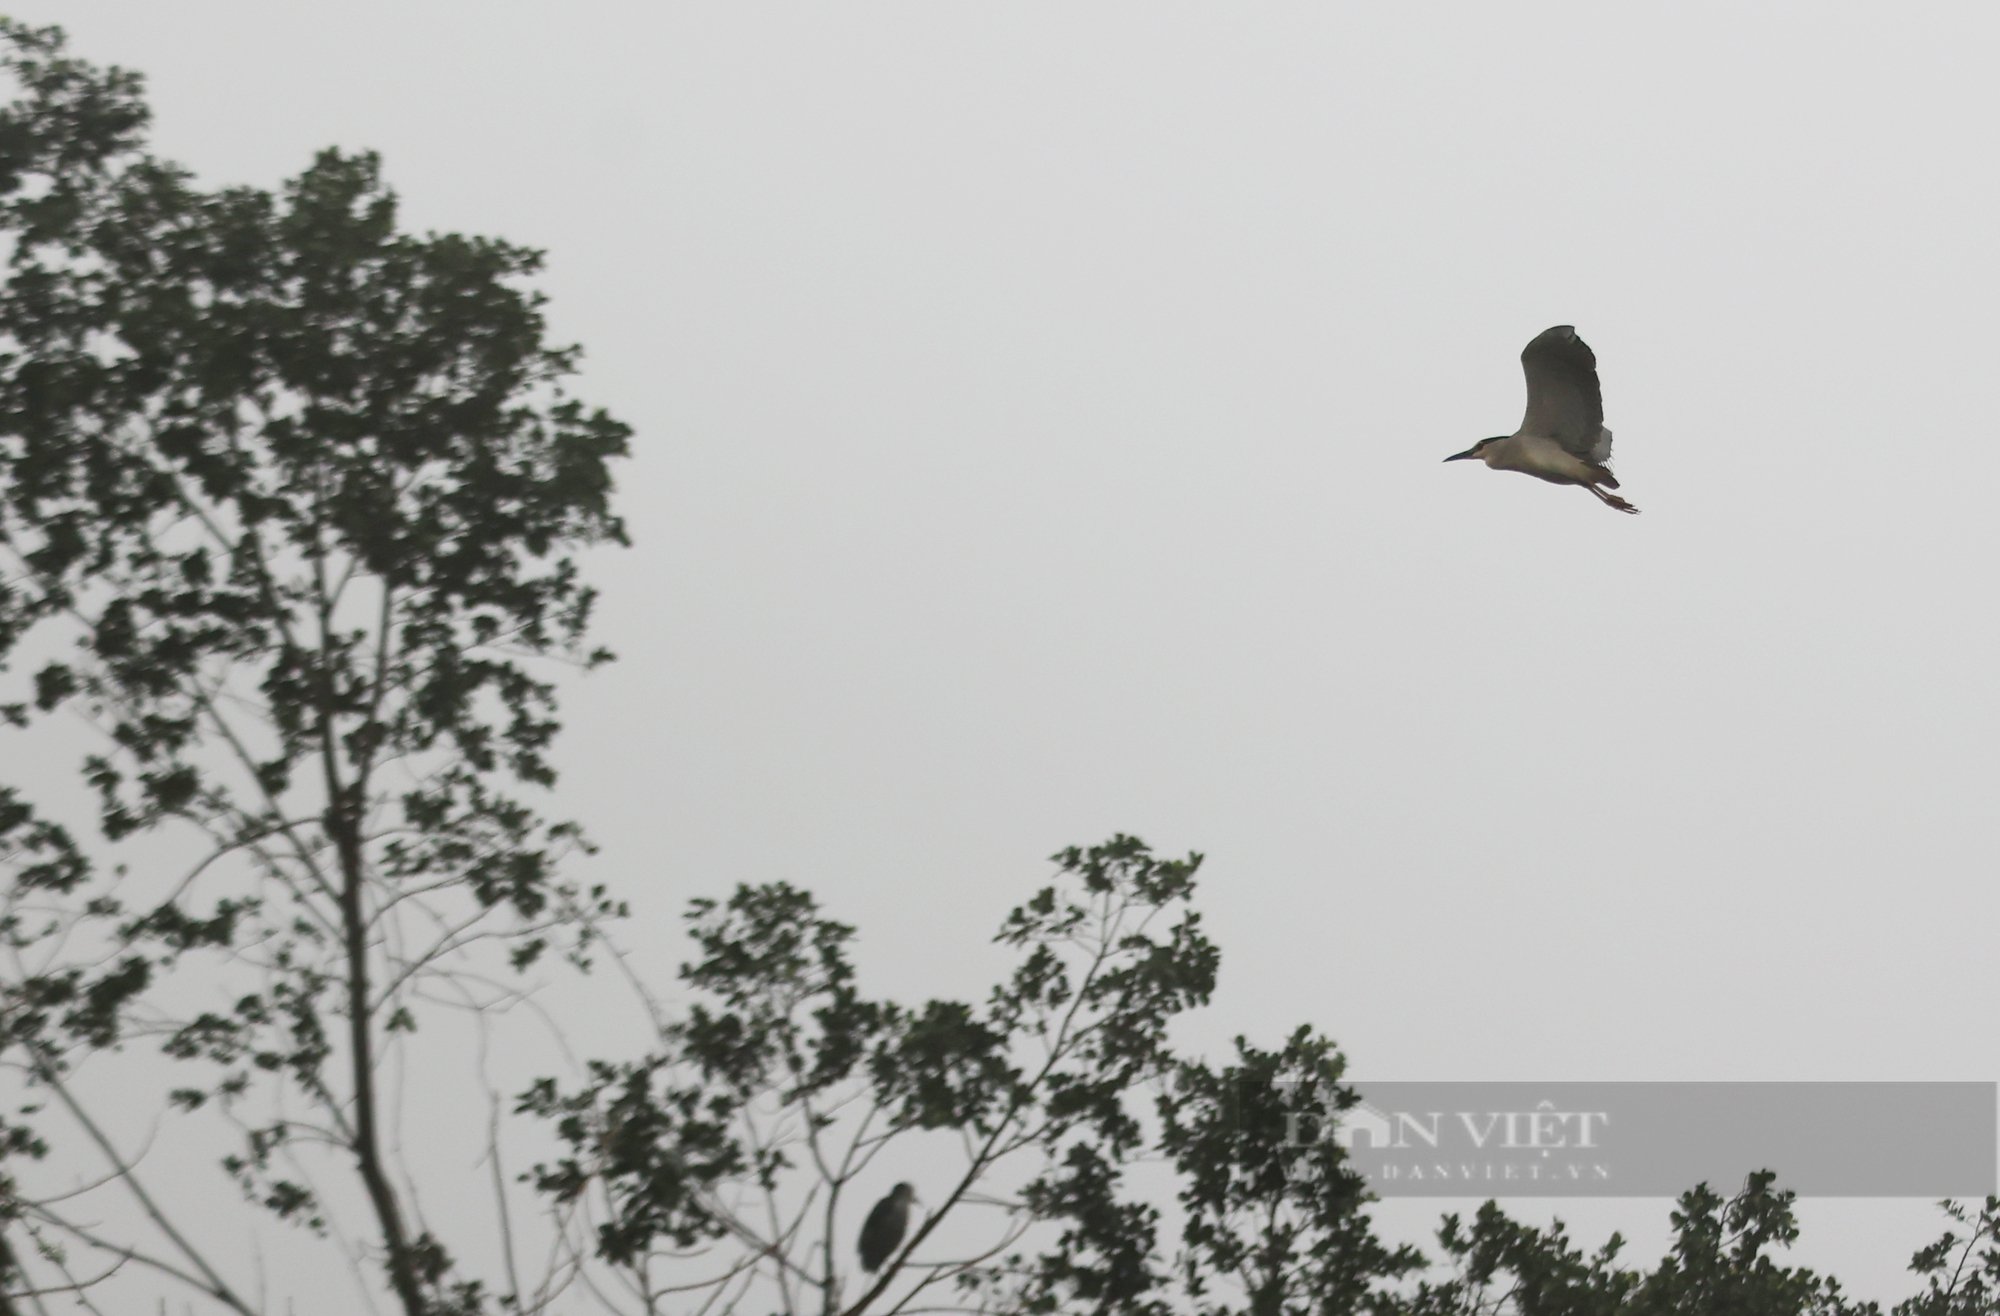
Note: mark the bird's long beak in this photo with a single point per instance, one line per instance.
(1461, 456)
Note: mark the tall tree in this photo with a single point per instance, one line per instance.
(289, 501)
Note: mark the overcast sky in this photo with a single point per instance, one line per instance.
(1039, 418)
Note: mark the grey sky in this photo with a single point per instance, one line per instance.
(1040, 414)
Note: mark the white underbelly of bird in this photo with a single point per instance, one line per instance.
(1545, 459)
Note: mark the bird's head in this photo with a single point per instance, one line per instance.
(904, 1192)
(1477, 450)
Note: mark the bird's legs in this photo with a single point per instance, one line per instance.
(1612, 500)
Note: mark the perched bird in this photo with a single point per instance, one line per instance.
(1562, 439)
(883, 1231)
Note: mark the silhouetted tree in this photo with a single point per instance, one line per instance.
(288, 503)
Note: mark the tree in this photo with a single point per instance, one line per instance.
(1961, 1271)
(291, 509)
(777, 1088)
(1720, 1265)
(291, 503)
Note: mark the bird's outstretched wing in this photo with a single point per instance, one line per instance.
(1564, 400)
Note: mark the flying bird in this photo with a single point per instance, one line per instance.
(1562, 439)
(885, 1226)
